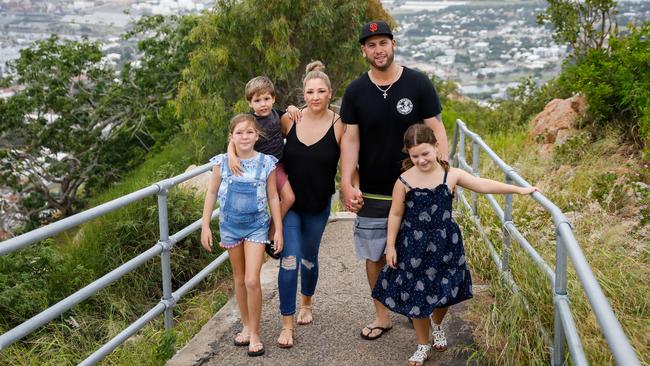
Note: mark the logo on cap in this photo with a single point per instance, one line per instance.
(373, 27)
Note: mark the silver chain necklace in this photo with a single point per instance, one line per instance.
(385, 91)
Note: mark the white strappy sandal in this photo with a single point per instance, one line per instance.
(421, 354)
(439, 339)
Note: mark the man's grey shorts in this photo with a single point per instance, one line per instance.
(370, 237)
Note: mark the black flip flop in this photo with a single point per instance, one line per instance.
(372, 329)
(241, 344)
(256, 353)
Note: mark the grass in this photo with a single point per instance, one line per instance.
(608, 222)
(598, 184)
(86, 253)
(60, 344)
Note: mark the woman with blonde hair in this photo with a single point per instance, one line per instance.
(311, 156)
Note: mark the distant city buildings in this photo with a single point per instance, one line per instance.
(485, 48)
(169, 7)
(481, 46)
(25, 21)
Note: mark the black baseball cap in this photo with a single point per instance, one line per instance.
(375, 28)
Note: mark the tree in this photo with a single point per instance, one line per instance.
(61, 127)
(152, 81)
(242, 39)
(79, 125)
(584, 24)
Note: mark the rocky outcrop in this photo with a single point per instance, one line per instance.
(198, 184)
(555, 124)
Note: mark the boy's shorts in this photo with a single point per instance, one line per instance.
(234, 233)
(281, 176)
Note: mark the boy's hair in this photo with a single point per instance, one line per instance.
(244, 117)
(415, 135)
(259, 85)
(314, 70)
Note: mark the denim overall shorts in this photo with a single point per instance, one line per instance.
(239, 218)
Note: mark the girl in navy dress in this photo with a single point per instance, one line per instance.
(426, 268)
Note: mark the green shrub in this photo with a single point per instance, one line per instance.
(24, 282)
(609, 191)
(573, 149)
(616, 84)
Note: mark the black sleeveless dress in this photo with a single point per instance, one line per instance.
(431, 268)
(311, 169)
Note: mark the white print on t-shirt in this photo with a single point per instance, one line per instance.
(404, 106)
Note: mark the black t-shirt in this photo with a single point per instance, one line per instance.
(382, 123)
(272, 143)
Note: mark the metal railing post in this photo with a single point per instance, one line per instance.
(476, 174)
(559, 290)
(461, 145)
(507, 217)
(165, 258)
(461, 157)
(454, 145)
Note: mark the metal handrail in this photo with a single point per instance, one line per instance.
(162, 247)
(564, 325)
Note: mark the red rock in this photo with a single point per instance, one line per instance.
(198, 184)
(555, 124)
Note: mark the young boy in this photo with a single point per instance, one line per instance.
(260, 94)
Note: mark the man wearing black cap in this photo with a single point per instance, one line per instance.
(378, 107)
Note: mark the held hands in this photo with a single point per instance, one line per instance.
(352, 198)
(206, 238)
(391, 256)
(294, 113)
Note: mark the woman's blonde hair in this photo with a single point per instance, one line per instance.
(415, 135)
(314, 70)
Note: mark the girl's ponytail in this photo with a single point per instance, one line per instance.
(407, 164)
(444, 164)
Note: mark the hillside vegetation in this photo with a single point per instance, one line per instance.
(599, 178)
(601, 186)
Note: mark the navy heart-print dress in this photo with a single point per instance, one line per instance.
(431, 268)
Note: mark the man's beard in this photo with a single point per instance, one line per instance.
(389, 61)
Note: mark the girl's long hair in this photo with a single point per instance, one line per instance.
(415, 135)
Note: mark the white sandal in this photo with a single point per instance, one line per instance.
(439, 339)
(421, 354)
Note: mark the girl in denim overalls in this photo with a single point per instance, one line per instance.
(244, 221)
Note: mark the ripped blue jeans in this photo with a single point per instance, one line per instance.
(302, 236)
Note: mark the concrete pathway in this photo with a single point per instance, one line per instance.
(342, 307)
